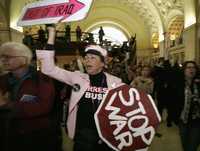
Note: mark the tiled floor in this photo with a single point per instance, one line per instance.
(169, 141)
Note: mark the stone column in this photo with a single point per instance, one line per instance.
(190, 30)
(164, 46)
(161, 48)
(198, 30)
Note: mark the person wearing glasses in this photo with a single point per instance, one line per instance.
(87, 93)
(28, 95)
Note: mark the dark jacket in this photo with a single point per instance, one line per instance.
(31, 109)
(179, 94)
(163, 82)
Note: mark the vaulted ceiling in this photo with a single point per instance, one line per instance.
(157, 12)
(143, 17)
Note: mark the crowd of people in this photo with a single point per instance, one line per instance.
(39, 40)
(31, 101)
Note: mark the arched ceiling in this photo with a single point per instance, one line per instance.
(108, 11)
(156, 13)
(143, 17)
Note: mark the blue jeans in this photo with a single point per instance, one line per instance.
(190, 135)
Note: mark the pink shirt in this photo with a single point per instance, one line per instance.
(49, 68)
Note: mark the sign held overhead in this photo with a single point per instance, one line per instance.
(48, 12)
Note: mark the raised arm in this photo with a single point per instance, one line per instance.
(52, 34)
(46, 60)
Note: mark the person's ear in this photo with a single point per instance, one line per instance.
(106, 60)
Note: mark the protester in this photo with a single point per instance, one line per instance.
(187, 107)
(87, 92)
(145, 81)
(164, 88)
(68, 33)
(78, 33)
(101, 34)
(29, 97)
(28, 40)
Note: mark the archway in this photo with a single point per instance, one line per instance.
(116, 36)
(175, 27)
(113, 32)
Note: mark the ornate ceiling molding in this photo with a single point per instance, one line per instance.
(176, 27)
(168, 9)
(156, 13)
(165, 6)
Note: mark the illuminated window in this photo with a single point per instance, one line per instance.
(112, 34)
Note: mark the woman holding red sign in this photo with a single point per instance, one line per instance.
(88, 91)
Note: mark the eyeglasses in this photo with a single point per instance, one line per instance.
(190, 67)
(6, 57)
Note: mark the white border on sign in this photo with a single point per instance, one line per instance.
(75, 17)
(39, 21)
(155, 108)
(97, 121)
(144, 149)
(80, 14)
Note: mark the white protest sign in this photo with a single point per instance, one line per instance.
(48, 12)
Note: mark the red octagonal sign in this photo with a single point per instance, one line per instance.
(126, 119)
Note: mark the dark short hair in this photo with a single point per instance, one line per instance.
(190, 61)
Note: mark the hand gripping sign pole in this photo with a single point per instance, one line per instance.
(126, 119)
(48, 12)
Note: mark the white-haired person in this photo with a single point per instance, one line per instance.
(30, 127)
(88, 91)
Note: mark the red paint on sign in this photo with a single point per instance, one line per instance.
(55, 10)
(127, 119)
